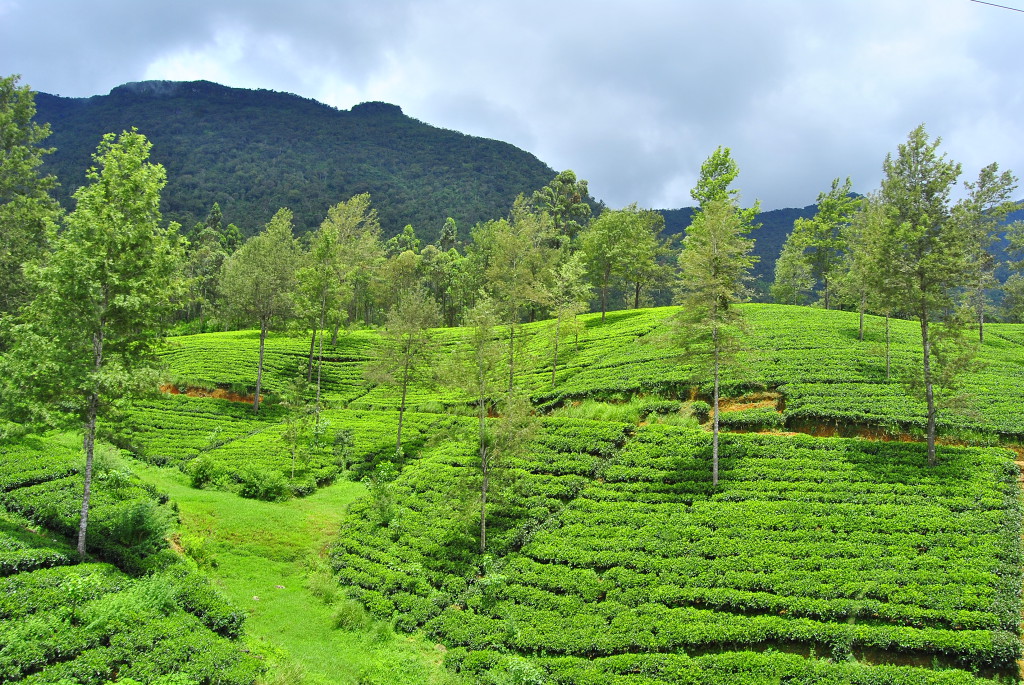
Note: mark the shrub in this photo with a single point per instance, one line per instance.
(699, 410)
(202, 470)
(260, 484)
(350, 615)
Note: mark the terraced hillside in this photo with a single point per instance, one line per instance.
(68, 621)
(611, 558)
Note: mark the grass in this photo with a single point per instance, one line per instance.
(265, 557)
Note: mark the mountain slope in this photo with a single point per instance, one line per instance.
(254, 151)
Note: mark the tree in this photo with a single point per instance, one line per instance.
(865, 278)
(406, 241)
(620, 247)
(646, 255)
(565, 201)
(94, 324)
(296, 420)
(449, 235)
(26, 206)
(204, 257)
(604, 245)
(820, 238)
(927, 253)
(793, 280)
(441, 274)
(477, 372)
(981, 213)
(570, 293)
(516, 260)
(319, 291)
(716, 175)
(258, 282)
(1013, 288)
(405, 354)
(361, 256)
(714, 265)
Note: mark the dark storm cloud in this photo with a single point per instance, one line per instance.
(632, 96)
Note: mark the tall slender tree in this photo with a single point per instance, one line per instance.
(477, 371)
(406, 352)
(714, 268)
(820, 239)
(927, 252)
(714, 265)
(981, 212)
(258, 283)
(520, 263)
(865, 278)
(26, 206)
(102, 293)
(570, 293)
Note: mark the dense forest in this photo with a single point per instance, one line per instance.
(253, 151)
(257, 456)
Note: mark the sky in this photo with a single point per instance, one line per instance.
(632, 96)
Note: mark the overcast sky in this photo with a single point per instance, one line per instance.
(632, 96)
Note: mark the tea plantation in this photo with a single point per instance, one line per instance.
(829, 552)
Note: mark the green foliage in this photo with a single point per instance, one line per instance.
(820, 243)
(252, 151)
(258, 281)
(258, 483)
(566, 200)
(26, 206)
(382, 494)
(89, 622)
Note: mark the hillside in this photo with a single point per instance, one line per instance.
(611, 557)
(254, 151)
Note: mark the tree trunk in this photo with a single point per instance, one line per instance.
(928, 392)
(89, 442)
(863, 306)
(554, 362)
(401, 407)
(604, 301)
(714, 437)
(981, 316)
(319, 365)
(484, 472)
(887, 357)
(309, 365)
(824, 280)
(259, 370)
(636, 296)
(511, 355)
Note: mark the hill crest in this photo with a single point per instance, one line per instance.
(254, 151)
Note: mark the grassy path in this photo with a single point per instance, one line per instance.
(262, 554)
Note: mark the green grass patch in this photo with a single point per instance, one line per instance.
(263, 556)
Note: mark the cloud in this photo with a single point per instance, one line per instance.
(632, 96)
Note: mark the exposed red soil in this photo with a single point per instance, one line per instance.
(754, 400)
(218, 394)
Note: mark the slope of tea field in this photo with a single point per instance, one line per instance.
(66, 621)
(611, 558)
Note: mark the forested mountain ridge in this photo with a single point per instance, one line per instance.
(253, 151)
(776, 224)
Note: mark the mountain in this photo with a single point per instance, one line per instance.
(254, 151)
(776, 225)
